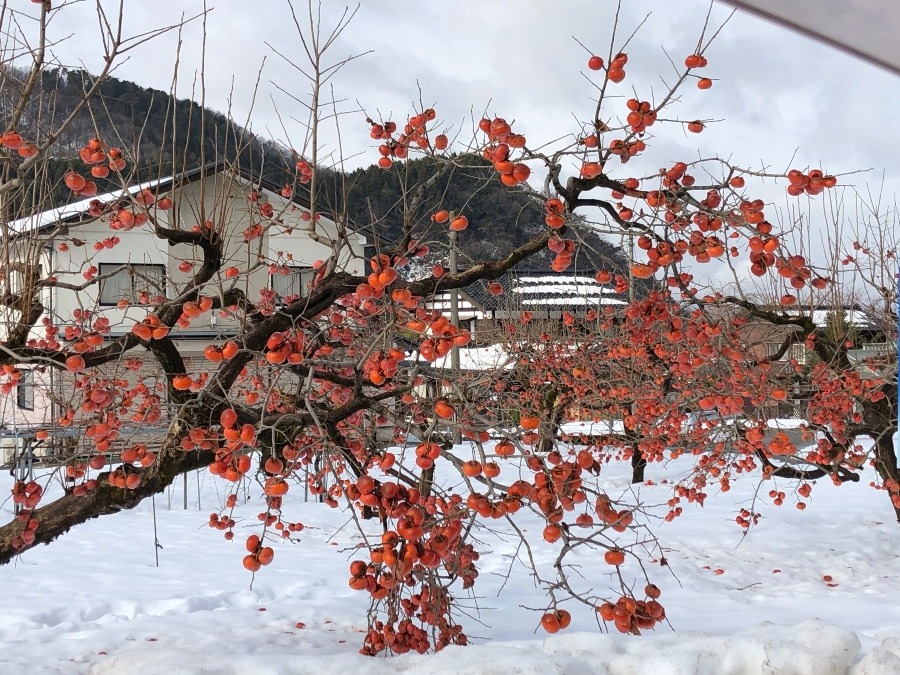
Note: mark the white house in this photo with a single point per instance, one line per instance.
(135, 268)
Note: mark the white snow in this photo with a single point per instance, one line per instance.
(560, 288)
(594, 428)
(488, 358)
(568, 289)
(853, 317)
(561, 279)
(579, 300)
(821, 317)
(95, 602)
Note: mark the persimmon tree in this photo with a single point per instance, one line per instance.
(293, 395)
(660, 379)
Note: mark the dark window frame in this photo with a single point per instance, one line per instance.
(17, 278)
(299, 271)
(131, 269)
(25, 390)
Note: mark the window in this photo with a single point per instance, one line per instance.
(138, 284)
(25, 390)
(798, 352)
(772, 349)
(17, 277)
(295, 283)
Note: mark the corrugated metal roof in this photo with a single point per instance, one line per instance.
(524, 288)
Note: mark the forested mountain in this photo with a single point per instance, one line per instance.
(500, 218)
(160, 134)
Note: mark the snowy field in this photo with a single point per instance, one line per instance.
(96, 602)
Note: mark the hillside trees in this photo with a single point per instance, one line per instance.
(155, 128)
(293, 393)
(500, 218)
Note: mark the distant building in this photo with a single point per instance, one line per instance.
(485, 306)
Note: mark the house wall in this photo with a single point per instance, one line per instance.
(220, 197)
(285, 243)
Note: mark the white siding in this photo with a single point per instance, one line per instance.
(220, 197)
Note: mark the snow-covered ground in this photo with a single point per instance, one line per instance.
(95, 601)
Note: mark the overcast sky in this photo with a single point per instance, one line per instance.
(777, 93)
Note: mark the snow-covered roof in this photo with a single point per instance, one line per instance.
(490, 357)
(574, 301)
(563, 285)
(598, 428)
(852, 317)
(561, 281)
(822, 316)
(563, 291)
(569, 289)
(73, 210)
(554, 292)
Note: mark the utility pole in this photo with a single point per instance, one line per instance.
(454, 319)
(638, 461)
(630, 272)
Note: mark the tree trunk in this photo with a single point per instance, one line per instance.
(555, 414)
(638, 464)
(880, 419)
(886, 465)
(61, 515)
